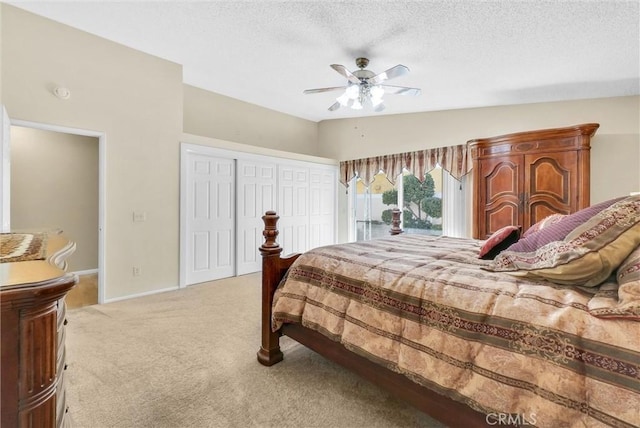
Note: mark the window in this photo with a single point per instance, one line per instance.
(432, 207)
(371, 215)
(435, 206)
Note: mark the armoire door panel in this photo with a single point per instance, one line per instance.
(552, 176)
(553, 185)
(501, 215)
(500, 193)
(542, 209)
(502, 179)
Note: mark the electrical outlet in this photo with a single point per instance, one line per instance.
(137, 271)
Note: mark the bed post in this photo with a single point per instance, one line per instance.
(269, 353)
(395, 222)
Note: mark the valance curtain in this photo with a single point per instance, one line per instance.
(453, 159)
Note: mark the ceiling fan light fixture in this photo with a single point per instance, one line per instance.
(365, 87)
(353, 91)
(376, 101)
(377, 92)
(343, 99)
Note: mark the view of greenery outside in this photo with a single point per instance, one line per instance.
(369, 208)
(421, 205)
(421, 208)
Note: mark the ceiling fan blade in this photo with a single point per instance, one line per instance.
(398, 70)
(401, 90)
(318, 90)
(335, 106)
(379, 107)
(346, 73)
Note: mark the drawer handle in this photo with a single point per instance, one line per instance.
(66, 321)
(65, 366)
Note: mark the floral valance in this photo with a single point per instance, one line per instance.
(453, 159)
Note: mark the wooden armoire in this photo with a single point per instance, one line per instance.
(520, 178)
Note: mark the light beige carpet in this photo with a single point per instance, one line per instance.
(187, 358)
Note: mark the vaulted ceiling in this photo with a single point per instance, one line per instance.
(461, 54)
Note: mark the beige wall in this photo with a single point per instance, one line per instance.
(136, 101)
(54, 185)
(216, 116)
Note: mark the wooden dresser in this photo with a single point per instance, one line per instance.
(32, 331)
(518, 179)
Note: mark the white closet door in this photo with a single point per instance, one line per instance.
(293, 208)
(322, 206)
(210, 231)
(256, 186)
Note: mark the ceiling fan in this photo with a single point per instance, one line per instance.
(365, 87)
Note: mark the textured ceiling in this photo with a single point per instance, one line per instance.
(461, 53)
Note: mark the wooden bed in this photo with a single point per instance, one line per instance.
(274, 267)
(456, 412)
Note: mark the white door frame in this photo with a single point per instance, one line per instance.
(102, 202)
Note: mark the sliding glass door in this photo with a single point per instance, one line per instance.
(422, 204)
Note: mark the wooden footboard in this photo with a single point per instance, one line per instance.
(273, 269)
(450, 412)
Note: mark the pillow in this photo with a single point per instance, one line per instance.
(547, 221)
(560, 229)
(588, 255)
(498, 241)
(621, 299)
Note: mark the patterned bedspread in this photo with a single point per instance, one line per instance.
(507, 346)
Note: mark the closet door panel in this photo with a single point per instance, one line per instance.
(211, 218)
(256, 186)
(293, 207)
(322, 206)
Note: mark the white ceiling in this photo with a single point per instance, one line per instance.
(461, 53)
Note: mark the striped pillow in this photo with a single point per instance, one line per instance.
(588, 255)
(545, 222)
(560, 229)
(622, 298)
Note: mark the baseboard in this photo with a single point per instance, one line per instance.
(86, 272)
(146, 293)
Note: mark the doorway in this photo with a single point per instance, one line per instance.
(57, 182)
